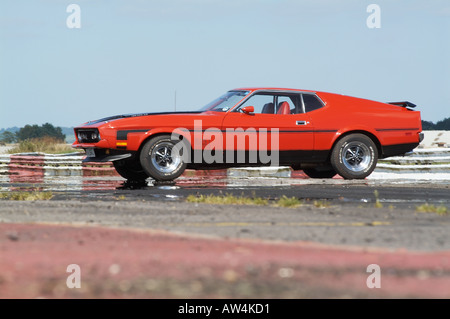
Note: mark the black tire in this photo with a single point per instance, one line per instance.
(354, 156)
(325, 172)
(130, 169)
(158, 161)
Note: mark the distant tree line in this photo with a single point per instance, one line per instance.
(32, 131)
(443, 125)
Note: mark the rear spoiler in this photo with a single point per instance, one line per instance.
(403, 104)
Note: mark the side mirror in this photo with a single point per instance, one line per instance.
(248, 109)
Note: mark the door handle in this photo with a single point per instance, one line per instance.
(301, 123)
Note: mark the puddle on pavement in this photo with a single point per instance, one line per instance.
(99, 183)
(106, 187)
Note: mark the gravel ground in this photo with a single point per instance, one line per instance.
(129, 248)
(345, 225)
(125, 263)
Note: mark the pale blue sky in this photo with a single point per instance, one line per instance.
(132, 55)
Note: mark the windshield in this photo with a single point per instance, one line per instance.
(225, 102)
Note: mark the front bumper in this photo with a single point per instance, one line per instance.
(107, 158)
(102, 155)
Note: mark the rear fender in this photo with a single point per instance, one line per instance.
(356, 129)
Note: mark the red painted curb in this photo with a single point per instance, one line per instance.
(26, 168)
(98, 169)
(35, 258)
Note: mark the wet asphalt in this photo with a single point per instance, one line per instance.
(332, 212)
(338, 192)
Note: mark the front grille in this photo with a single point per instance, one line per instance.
(88, 135)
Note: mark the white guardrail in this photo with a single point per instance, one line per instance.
(52, 165)
(431, 160)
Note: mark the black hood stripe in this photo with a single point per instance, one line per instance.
(123, 116)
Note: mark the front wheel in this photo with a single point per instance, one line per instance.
(354, 156)
(161, 159)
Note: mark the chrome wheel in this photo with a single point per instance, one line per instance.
(356, 156)
(163, 159)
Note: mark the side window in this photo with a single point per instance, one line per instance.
(311, 102)
(275, 104)
(262, 103)
(294, 102)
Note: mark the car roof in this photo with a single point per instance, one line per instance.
(253, 89)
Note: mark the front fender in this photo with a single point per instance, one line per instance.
(165, 130)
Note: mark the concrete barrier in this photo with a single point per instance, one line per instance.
(269, 171)
(39, 164)
(435, 160)
(4, 164)
(36, 165)
(435, 139)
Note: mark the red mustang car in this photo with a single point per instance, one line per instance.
(322, 133)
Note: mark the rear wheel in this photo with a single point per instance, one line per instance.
(354, 156)
(320, 172)
(161, 159)
(130, 169)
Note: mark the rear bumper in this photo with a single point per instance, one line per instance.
(397, 149)
(421, 136)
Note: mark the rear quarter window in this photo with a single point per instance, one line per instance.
(311, 102)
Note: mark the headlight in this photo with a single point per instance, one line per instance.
(95, 136)
(88, 135)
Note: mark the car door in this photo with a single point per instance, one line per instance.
(277, 125)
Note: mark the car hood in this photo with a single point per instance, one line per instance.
(123, 116)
